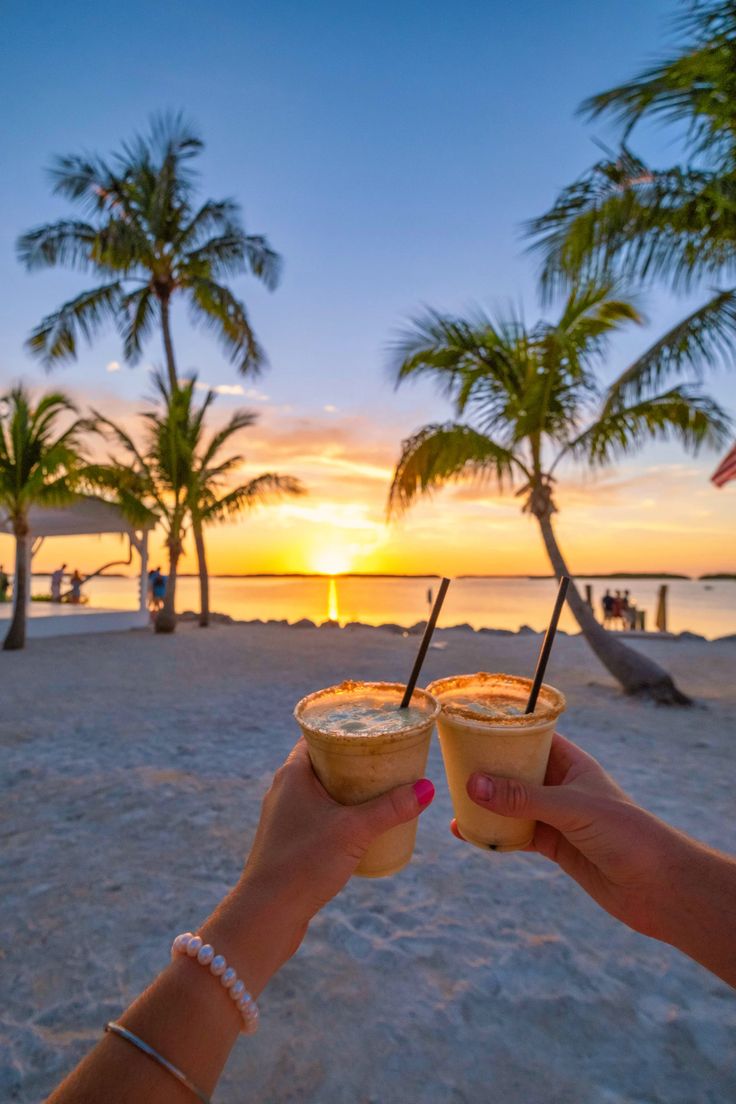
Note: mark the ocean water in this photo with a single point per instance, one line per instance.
(700, 607)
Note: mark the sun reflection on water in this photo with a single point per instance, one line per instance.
(333, 610)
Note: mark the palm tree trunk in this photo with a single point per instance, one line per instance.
(166, 617)
(204, 580)
(16, 637)
(168, 345)
(638, 674)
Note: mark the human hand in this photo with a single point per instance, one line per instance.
(305, 849)
(621, 855)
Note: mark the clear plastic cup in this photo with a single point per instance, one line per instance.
(354, 767)
(510, 746)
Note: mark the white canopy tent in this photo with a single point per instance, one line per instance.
(87, 516)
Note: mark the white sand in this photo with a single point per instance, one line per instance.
(132, 768)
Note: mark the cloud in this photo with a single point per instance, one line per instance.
(113, 366)
(232, 389)
(329, 408)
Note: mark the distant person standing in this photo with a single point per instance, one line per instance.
(75, 594)
(4, 584)
(158, 590)
(607, 604)
(57, 578)
(616, 608)
(624, 610)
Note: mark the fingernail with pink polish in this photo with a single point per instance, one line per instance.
(424, 791)
(481, 786)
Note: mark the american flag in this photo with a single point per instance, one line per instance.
(726, 470)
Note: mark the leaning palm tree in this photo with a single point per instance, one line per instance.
(532, 401)
(152, 479)
(41, 464)
(677, 223)
(149, 243)
(210, 498)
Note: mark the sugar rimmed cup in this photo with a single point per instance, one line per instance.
(354, 767)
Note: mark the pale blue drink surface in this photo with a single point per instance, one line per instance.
(361, 716)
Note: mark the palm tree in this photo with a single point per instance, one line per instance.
(153, 480)
(41, 464)
(675, 223)
(208, 499)
(149, 243)
(534, 401)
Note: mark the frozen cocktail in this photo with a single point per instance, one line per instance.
(362, 744)
(483, 727)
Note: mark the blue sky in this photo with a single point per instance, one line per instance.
(390, 151)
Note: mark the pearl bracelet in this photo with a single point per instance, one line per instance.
(204, 954)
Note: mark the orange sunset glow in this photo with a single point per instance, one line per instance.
(662, 516)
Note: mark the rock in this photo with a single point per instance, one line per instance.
(215, 618)
(304, 623)
(398, 630)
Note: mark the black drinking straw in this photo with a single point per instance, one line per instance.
(425, 643)
(549, 639)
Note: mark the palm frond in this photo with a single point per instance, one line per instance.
(702, 340)
(40, 460)
(681, 414)
(239, 420)
(696, 86)
(66, 242)
(263, 261)
(437, 454)
(626, 219)
(215, 307)
(54, 340)
(89, 180)
(214, 218)
(136, 319)
(266, 488)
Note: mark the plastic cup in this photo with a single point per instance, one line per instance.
(508, 746)
(354, 767)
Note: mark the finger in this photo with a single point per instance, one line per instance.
(395, 807)
(563, 807)
(456, 831)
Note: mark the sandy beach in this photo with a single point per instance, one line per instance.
(132, 770)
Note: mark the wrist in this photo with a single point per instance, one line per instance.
(254, 931)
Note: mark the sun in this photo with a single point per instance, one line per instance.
(331, 561)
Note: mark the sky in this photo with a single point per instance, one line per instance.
(391, 153)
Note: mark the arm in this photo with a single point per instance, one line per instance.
(305, 849)
(643, 872)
